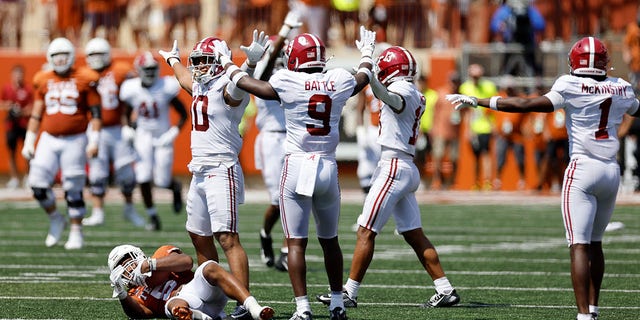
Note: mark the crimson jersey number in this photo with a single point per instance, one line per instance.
(602, 132)
(324, 116)
(148, 111)
(199, 117)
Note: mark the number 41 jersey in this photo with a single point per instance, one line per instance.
(313, 105)
(594, 112)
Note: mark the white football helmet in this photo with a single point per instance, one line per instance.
(118, 253)
(147, 67)
(98, 53)
(61, 55)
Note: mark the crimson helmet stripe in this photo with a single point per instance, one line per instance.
(410, 59)
(317, 44)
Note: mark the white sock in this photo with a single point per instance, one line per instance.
(75, 228)
(252, 305)
(593, 309)
(97, 212)
(336, 300)
(584, 316)
(302, 304)
(352, 287)
(443, 285)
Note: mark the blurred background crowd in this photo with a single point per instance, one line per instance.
(508, 47)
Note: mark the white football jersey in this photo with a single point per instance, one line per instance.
(594, 111)
(151, 105)
(214, 124)
(312, 106)
(270, 115)
(399, 131)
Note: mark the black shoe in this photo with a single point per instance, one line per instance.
(266, 250)
(177, 196)
(440, 300)
(338, 314)
(241, 313)
(283, 262)
(154, 223)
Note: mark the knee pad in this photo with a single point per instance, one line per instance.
(98, 188)
(74, 199)
(45, 196)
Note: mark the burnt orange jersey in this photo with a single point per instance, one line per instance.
(509, 125)
(67, 99)
(156, 297)
(109, 89)
(555, 126)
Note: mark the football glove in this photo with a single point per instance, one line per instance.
(257, 48)
(462, 101)
(128, 134)
(137, 277)
(167, 138)
(173, 54)
(29, 148)
(291, 21)
(118, 283)
(367, 42)
(220, 48)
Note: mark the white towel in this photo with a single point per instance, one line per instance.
(307, 175)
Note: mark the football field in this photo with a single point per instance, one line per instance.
(508, 260)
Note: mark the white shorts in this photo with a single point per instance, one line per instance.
(66, 154)
(269, 158)
(213, 198)
(392, 193)
(155, 163)
(589, 193)
(112, 149)
(295, 208)
(201, 295)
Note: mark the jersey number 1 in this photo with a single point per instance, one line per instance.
(602, 132)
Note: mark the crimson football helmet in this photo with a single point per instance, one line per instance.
(305, 51)
(588, 56)
(396, 63)
(203, 61)
(61, 55)
(98, 53)
(147, 67)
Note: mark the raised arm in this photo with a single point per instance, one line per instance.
(182, 74)
(366, 45)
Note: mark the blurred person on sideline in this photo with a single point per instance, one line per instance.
(66, 101)
(445, 135)
(148, 98)
(314, 14)
(396, 180)
(217, 183)
(269, 145)
(17, 98)
(116, 137)
(509, 135)
(595, 105)
(201, 294)
(313, 100)
(424, 143)
(480, 124)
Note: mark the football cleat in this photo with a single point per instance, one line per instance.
(154, 223)
(348, 301)
(338, 314)
(241, 313)
(266, 250)
(75, 241)
(93, 220)
(283, 262)
(441, 300)
(57, 224)
(304, 316)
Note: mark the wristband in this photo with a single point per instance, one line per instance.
(94, 137)
(366, 71)
(493, 102)
(366, 59)
(172, 62)
(238, 76)
(231, 69)
(284, 31)
(152, 263)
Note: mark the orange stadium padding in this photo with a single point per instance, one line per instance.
(440, 67)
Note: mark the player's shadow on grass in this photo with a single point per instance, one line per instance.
(475, 305)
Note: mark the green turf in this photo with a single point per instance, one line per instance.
(507, 262)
